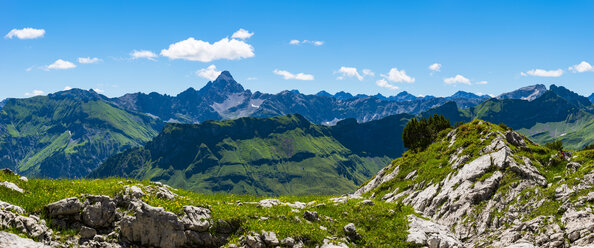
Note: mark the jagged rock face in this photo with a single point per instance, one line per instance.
(490, 198)
(427, 233)
(153, 226)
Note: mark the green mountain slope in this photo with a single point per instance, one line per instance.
(67, 134)
(268, 156)
(558, 114)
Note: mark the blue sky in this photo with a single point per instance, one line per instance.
(494, 46)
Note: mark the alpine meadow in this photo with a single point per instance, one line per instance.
(296, 124)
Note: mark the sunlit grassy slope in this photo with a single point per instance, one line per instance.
(280, 219)
(67, 134)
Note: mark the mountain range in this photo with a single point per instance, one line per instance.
(67, 134)
(224, 99)
(477, 185)
(70, 133)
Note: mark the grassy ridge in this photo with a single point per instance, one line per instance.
(67, 134)
(268, 156)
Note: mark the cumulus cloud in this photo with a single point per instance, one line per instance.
(198, 50)
(458, 79)
(368, 72)
(348, 72)
(25, 33)
(312, 42)
(299, 76)
(88, 60)
(398, 76)
(581, 67)
(209, 72)
(100, 91)
(67, 87)
(143, 54)
(543, 73)
(242, 34)
(384, 84)
(435, 67)
(60, 65)
(35, 93)
(482, 82)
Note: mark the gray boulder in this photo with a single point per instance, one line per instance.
(87, 232)
(99, 211)
(514, 138)
(9, 240)
(270, 238)
(153, 226)
(311, 216)
(68, 206)
(196, 219)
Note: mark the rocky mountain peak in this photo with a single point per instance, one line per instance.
(570, 96)
(223, 84)
(528, 93)
(405, 96)
(464, 94)
(482, 180)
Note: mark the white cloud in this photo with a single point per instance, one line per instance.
(312, 42)
(25, 33)
(435, 67)
(143, 54)
(35, 93)
(299, 76)
(100, 91)
(398, 76)
(242, 34)
(88, 60)
(60, 65)
(482, 82)
(384, 84)
(67, 88)
(543, 73)
(457, 79)
(209, 73)
(30, 68)
(198, 50)
(251, 78)
(348, 72)
(581, 67)
(368, 72)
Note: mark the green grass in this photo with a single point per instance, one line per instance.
(268, 156)
(280, 219)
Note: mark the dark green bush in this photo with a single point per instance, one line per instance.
(420, 133)
(555, 145)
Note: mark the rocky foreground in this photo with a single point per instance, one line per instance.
(494, 189)
(126, 219)
(479, 185)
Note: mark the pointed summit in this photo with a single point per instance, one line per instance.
(464, 94)
(225, 76)
(224, 84)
